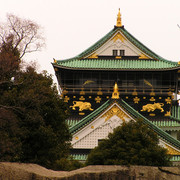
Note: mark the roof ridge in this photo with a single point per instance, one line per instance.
(65, 60)
(98, 43)
(137, 42)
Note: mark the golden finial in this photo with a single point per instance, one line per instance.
(115, 94)
(55, 61)
(119, 24)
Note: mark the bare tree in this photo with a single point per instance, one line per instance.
(26, 34)
(18, 37)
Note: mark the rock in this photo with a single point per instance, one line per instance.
(22, 171)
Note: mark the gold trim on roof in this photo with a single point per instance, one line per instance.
(168, 113)
(153, 107)
(64, 91)
(119, 23)
(55, 61)
(152, 93)
(82, 98)
(82, 91)
(76, 138)
(100, 92)
(98, 99)
(170, 93)
(168, 100)
(115, 94)
(93, 56)
(152, 99)
(115, 111)
(81, 105)
(171, 150)
(81, 114)
(66, 99)
(148, 83)
(136, 100)
(134, 93)
(118, 36)
(143, 56)
(88, 82)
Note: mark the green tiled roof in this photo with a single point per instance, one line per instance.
(79, 62)
(140, 45)
(175, 112)
(131, 38)
(79, 157)
(171, 123)
(83, 157)
(136, 115)
(71, 122)
(175, 158)
(116, 64)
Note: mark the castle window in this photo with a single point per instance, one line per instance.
(115, 52)
(122, 52)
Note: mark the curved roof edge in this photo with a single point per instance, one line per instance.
(116, 64)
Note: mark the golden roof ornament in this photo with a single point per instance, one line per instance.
(55, 61)
(119, 23)
(115, 94)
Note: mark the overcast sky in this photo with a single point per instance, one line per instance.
(71, 26)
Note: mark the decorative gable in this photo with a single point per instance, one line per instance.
(99, 129)
(114, 115)
(115, 110)
(118, 45)
(116, 50)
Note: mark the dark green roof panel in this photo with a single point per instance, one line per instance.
(132, 112)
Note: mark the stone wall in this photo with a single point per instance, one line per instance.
(20, 171)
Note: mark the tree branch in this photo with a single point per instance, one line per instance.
(14, 108)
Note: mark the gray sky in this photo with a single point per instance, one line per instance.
(71, 26)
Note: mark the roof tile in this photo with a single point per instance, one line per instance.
(120, 64)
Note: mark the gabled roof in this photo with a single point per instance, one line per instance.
(151, 60)
(132, 112)
(131, 38)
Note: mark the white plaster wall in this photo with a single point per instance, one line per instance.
(106, 49)
(163, 144)
(98, 129)
(91, 140)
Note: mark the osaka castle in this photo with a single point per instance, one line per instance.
(116, 80)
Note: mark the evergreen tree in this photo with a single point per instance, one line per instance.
(133, 143)
(39, 119)
(32, 116)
